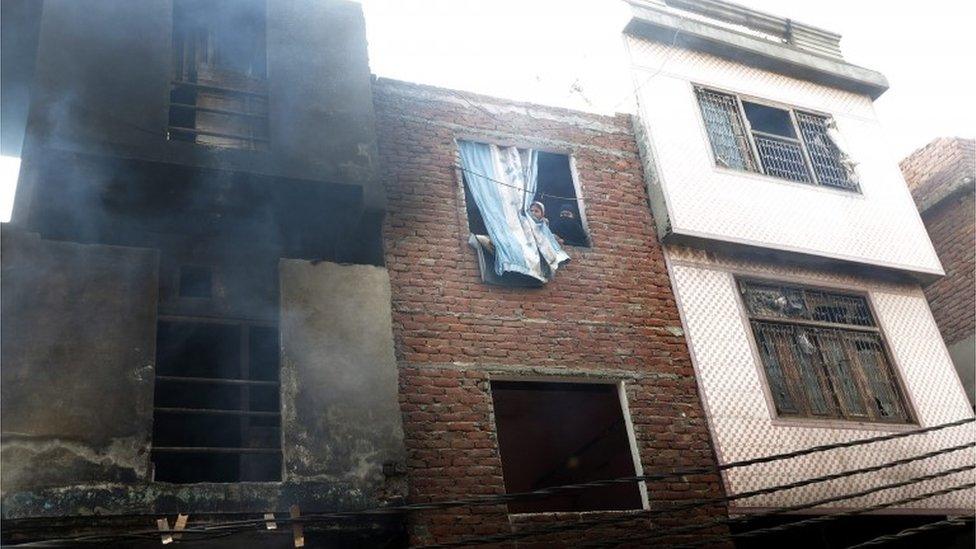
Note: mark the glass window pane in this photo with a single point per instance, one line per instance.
(769, 119)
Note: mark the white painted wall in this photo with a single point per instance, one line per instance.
(743, 423)
(878, 227)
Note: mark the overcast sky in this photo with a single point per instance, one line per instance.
(569, 53)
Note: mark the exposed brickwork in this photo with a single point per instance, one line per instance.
(953, 231)
(937, 176)
(937, 168)
(609, 313)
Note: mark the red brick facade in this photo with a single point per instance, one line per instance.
(937, 174)
(609, 314)
(951, 226)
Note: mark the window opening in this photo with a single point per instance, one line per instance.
(510, 195)
(823, 354)
(216, 411)
(551, 434)
(779, 142)
(780, 152)
(557, 192)
(219, 90)
(196, 281)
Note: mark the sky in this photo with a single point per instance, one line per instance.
(569, 53)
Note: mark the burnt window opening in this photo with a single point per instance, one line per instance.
(823, 354)
(552, 434)
(216, 414)
(196, 281)
(219, 89)
(780, 142)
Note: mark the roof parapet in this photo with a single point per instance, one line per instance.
(778, 29)
(753, 38)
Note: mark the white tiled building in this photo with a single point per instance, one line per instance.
(796, 254)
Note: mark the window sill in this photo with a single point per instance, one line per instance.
(772, 179)
(844, 424)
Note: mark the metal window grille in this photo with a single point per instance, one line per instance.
(218, 95)
(823, 354)
(824, 154)
(216, 410)
(219, 116)
(811, 158)
(781, 157)
(726, 131)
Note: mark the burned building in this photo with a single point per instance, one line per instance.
(196, 316)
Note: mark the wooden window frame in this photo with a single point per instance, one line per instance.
(844, 338)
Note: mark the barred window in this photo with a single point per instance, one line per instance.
(823, 354)
(785, 143)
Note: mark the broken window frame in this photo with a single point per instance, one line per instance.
(243, 381)
(620, 391)
(816, 165)
(792, 379)
(248, 102)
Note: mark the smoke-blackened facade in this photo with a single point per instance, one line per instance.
(196, 313)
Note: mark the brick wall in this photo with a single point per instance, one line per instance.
(952, 229)
(609, 314)
(937, 176)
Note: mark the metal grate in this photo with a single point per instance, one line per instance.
(781, 157)
(218, 116)
(824, 154)
(776, 301)
(823, 355)
(216, 409)
(726, 132)
(801, 149)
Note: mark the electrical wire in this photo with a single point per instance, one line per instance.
(498, 499)
(793, 508)
(830, 517)
(685, 506)
(954, 522)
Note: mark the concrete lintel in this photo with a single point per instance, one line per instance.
(657, 24)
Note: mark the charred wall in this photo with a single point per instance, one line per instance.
(109, 217)
(79, 326)
(103, 80)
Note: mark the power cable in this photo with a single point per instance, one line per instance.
(831, 517)
(792, 508)
(605, 521)
(954, 522)
(498, 499)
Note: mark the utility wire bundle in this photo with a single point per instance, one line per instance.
(226, 528)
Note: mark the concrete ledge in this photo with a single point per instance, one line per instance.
(659, 25)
